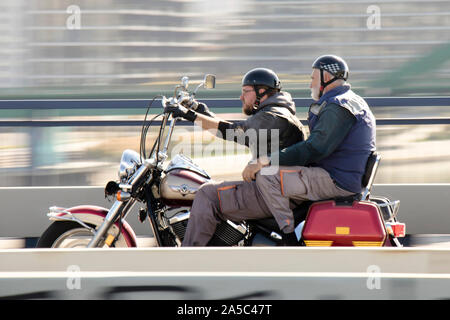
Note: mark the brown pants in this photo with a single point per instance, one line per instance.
(235, 201)
(297, 183)
(266, 197)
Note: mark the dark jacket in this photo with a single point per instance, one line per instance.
(273, 125)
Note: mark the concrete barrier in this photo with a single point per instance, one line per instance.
(226, 273)
(423, 207)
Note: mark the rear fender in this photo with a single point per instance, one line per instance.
(94, 215)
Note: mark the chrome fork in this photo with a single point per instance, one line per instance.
(110, 218)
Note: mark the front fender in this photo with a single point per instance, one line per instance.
(94, 215)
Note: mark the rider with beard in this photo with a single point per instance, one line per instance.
(331, 162)
(269, 109)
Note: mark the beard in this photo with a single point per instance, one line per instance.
(315, 93)
(247, 109)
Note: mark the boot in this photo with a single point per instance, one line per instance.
(290, 239)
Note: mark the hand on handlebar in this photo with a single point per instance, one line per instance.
(203, 109)
(189, 103)
(178, 110)
(198, 107)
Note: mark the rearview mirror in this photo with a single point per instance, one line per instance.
(210, 81)
(185, 82)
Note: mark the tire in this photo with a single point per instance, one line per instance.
(59, 231)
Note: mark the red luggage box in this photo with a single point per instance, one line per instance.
(331, 224)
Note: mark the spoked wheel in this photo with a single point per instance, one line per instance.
(66, 234)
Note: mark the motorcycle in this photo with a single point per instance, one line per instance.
(167, 194)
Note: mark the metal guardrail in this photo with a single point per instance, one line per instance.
(131, 123)
(157, 274)
(240, 273)
(212, 103)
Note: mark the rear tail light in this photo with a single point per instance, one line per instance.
(396, 229)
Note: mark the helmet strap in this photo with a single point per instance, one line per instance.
(258, 98)
(323, 84)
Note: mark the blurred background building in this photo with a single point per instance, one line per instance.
(126, 48)
(104, 49)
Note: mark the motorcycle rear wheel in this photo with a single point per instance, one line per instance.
(65, 234)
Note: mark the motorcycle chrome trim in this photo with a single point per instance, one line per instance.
(397, 243)
(239, 227)
(168, 138)
(141, 172)
(127, 209)
(209, 82)
(68, 217)
(185, 82)
(108, 221)
(275, 236)
(393, 205)
(125, 187)
(170, 213)
(184, 189)
(162, 156)
(163, 129)
(150, 163)
(177, 218)
(180, 161)
(180, 217)
(128, 162)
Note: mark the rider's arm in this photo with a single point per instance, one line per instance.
(248, 132)
(332, 126)
(206, 122)
(233, 131)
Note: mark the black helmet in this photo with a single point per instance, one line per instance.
(334, 65)
(261, 77)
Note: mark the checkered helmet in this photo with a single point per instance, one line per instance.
(333, 64)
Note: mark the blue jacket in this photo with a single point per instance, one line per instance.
(347, 162)
(342, 135)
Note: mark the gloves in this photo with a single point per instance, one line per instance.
(199, 107)
(183, 110)
(203, 109)
(180, 111)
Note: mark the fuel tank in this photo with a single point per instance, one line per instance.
(181, 181)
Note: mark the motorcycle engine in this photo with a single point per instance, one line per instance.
(227, 233)
(178, 223)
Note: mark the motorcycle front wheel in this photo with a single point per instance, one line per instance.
(66, 234)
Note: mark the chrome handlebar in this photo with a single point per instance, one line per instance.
(156, 160)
